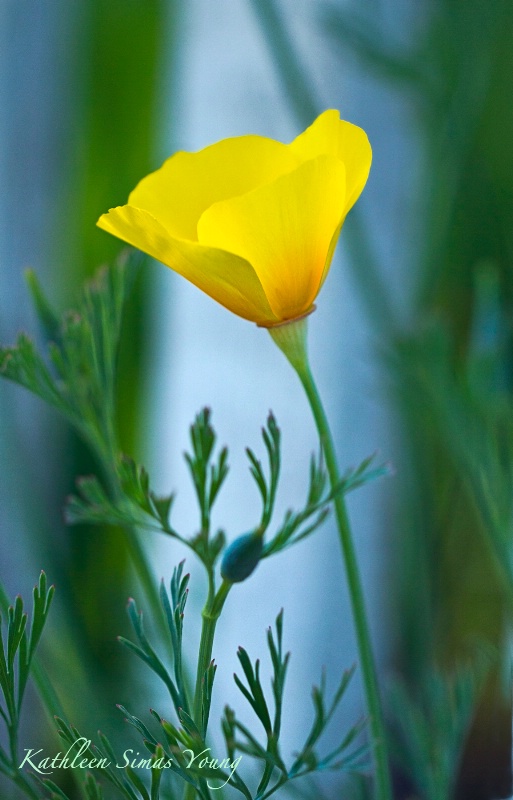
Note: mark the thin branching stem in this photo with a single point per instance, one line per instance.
(137, 553)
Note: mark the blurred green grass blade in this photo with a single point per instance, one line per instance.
(118, 73)
(300, 90)
(121, 69)
(359, 33)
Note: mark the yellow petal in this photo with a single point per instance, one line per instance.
(188, 183)
(227, 278)
(284, 229)
(333, 136)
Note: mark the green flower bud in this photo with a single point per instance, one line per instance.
(240, 559)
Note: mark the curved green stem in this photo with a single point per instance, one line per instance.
(22, 783)
(145, 575)
(291, 339)
(137, 553)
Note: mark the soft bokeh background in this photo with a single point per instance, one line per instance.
(411, 341)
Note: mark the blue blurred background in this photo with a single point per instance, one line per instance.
(413, 324)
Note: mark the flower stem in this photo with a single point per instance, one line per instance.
(291, 339)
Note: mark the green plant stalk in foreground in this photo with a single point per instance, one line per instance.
(210, 616)
(291, 338)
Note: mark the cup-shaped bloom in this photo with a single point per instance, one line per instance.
(249, 220)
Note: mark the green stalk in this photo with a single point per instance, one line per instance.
(208, 629)
(291, 339)
(210, 616)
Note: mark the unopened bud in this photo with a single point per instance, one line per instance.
(241, 557)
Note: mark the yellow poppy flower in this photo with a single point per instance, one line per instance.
(251, 221)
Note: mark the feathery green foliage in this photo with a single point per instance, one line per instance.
(16, 655)
(186, 754)
(78, 378)
(430, 731)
